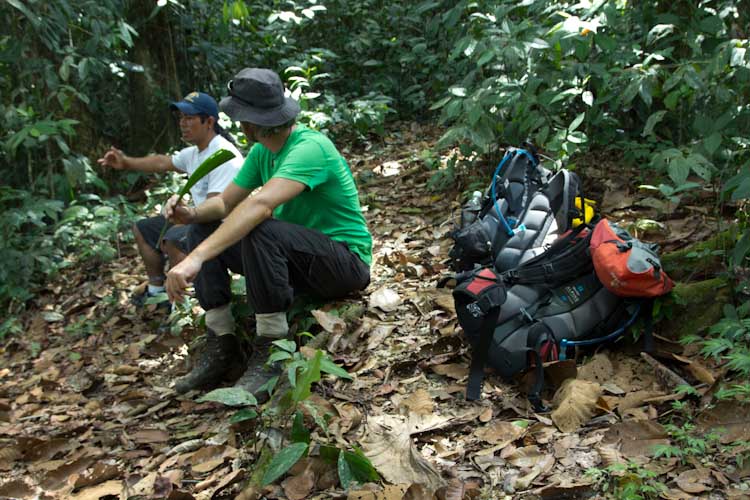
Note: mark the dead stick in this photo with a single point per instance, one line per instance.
(664, 375)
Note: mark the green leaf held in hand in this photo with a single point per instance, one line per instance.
(214, 161)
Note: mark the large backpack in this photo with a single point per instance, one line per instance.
(521, 318)
(525, 208)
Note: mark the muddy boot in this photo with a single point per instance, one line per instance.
(258, 373)
(215, 360)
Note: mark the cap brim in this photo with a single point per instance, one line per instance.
(185, 107)
(265, 117)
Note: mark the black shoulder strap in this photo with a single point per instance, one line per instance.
(479, 354)
(566, 259)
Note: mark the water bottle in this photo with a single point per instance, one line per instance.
(470, 210)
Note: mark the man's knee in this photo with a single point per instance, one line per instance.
(269, 229)
(137, 232)
(197, 233)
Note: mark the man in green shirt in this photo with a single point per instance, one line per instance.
(303, 231)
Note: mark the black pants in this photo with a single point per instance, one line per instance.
(278, 259)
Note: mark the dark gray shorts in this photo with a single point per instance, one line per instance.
(150, 228)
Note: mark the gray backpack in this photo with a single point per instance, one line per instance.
(524, 209)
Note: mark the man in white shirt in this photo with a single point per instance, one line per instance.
(198, 116)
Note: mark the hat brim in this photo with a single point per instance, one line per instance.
(265, 117)
(185, 107)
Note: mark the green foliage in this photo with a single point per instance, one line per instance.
(230, 396)
(283, 461)
(728, 341)
(666, 83)
(40, 236)
(687, 443)
(302, 373)
(630, 480)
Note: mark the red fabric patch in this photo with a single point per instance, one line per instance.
(481, 281)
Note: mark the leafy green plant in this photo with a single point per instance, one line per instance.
(630, 480)
(235, 397)
(687, 443)
(301, 374)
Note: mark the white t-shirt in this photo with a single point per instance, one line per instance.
(189, 159)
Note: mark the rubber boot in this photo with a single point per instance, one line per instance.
(258, 373)
(214, 362)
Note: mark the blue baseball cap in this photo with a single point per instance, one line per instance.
(197, 103)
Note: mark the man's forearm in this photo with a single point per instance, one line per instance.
(152, 163)
(212, 209)
(243, 219)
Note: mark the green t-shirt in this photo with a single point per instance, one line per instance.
(330, 204)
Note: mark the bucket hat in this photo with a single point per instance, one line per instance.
(256, 95)
(197, 103)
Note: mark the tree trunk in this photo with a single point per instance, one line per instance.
(155, 85)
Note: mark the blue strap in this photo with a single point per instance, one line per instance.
(565, 343)
(509, 231)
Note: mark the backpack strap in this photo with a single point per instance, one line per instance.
(539, 334)
(479, 354)
(566, 259)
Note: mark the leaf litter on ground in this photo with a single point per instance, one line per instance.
(105, 422)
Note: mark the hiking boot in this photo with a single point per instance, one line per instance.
(215, 360)
(258, 373)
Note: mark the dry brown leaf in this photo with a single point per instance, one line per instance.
(575, 403)
(147, 436)
(58, 477)
(599, 369)
(694, 481)
(329, 322)
(453, 370)
(378, 335)
(125, 370)
(541, 467)
(299, 487)
(349, 417)
(393, 492)
(209, 458)
(420, 402)
(100, 472)
(636, 437)
(636, 399)
(16, 489)
(486, 415)
(361, 495)
(610, 456)
(385, 299)
(388, 445)
(526, 457)
(34, 449)
(228, 480)
(113, 488)
(500, 433)
(729, 418)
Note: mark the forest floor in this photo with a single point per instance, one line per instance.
(87, 411)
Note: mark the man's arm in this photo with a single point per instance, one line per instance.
(243, 218)
(216, 207)
(118, 160)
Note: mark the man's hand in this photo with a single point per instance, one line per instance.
(177, 212)
(113, 158)
(181, 276)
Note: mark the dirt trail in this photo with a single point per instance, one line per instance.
(86, 410)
